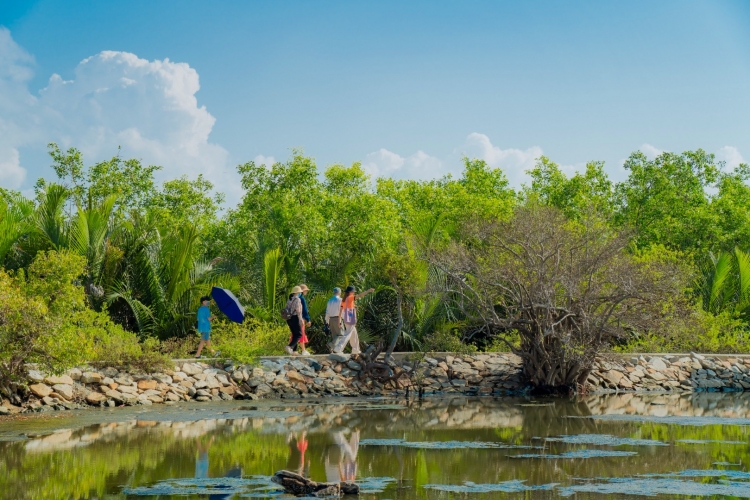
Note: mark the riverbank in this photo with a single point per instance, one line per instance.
(284, 377)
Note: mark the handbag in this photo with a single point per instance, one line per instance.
(350, 316)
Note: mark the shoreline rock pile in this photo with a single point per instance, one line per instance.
(341, 375)
(685, 373)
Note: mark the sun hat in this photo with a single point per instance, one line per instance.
(304, 288)
(296, 289)
(350, 288)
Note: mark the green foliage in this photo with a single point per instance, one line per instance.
(583, 192)
(130, 181)
(724, 284)
(665, 200)
(701, 332)
(246, 342)
(45, 319)
(150, 250)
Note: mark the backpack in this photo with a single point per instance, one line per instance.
(286, 313)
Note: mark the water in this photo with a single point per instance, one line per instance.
(596, 447)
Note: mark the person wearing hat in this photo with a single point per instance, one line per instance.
(295, 321)
(305, 317)
(349, 316)
(333, 316)
(204, 325)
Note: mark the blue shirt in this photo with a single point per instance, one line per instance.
(305, 313)
(203, 314)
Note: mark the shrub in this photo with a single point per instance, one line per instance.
(43, 317)
(447, 340)
(699, 332)
(123, 350)
(246, 342)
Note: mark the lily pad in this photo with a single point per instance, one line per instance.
(579, 454)
(441, 445)
(604, 440)
(513, 486)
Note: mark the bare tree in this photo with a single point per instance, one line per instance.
(568, 289)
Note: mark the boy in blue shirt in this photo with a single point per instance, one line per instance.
(204, 325)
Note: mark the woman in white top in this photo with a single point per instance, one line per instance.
(333, 316)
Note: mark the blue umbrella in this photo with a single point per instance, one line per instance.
(228, 304)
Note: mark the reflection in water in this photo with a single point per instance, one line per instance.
(344, 468)
(431, 449)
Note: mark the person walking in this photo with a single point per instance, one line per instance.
(333, 316)
(305, 317)
(204, 325)
(349, 316)
(293, 309)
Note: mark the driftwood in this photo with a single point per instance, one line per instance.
(302, 487)
(382, 371)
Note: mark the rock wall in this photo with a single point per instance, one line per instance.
(341, 375)
(686, 373)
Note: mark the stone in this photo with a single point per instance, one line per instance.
(612, 376)
(657, 364)
(54, 380)
(171, 396)
(354, 365)
(145, 385)
(237, 376)
(162, 377)
(4, 410)
(257, 373)
(110, 372)
(115, 395)
(40, 390)
(50, 401)
(91, 378)
(339, 357)
(263, 389)
(75, 374)
(295, 376)
(127, 389)
(35, 376)
(625, 383)
(191, 369)
(95, 398)
(64, 390)
(155, 399)
(710, 384)
(658, 376)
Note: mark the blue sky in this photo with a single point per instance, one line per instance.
(407, 88)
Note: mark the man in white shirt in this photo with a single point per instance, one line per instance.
(333, 315)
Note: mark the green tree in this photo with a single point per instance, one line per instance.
(665, 200)
(574, 196)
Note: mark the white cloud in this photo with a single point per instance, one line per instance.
(114, 99)
(731, 156)
(268, 161)
(420, 165)
(11, 173)
(650, 151)
(514, 162)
